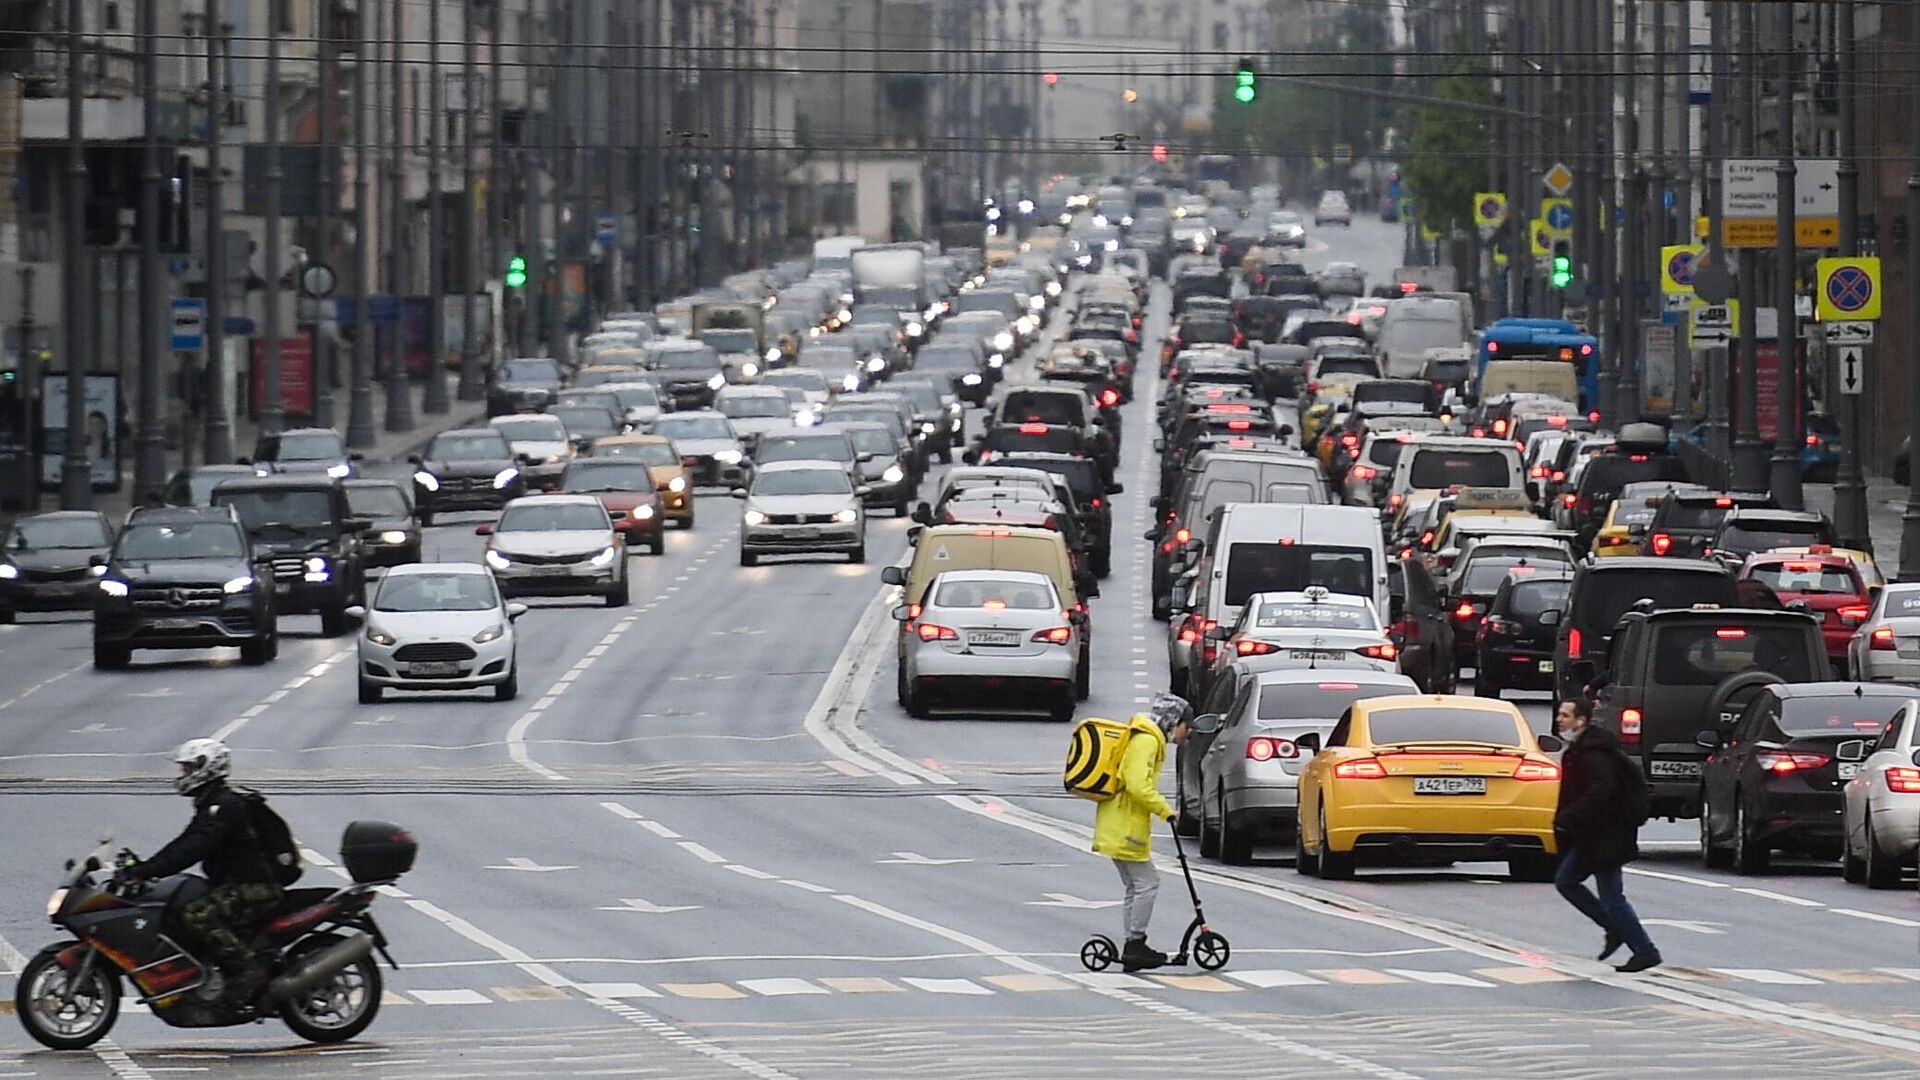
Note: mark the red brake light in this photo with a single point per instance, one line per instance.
(1181, 536)
(1636, 458)
(1426, 538)
(1730, 633)
(1109, 398)
(1493, 346)
(1255, 648)
(1573, 644)
(1395, 499)
(1538, 472)
(1593, 417)
(1536, 770)
(1786, 761)
(1365, 472)
(1261, 748)
(1058, 635)
(1853, 613)
(930, 632)
(1723, 502)
(1361, 769)
(1812, 439)
(1464, 611)
(1339, 686)
(1881, 639)
(1350, 440)
(1386, 651)
(1662, 543)
(1568, 499)
(913, 611)
(1239, 425)
(1033, 429)
(1408, 288)
(1556, 421)
(1586, 350)
(1499, 427)
(1902, 780)
(1630, 726)
(1097, 504)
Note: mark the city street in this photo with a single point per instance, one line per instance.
(705, 841)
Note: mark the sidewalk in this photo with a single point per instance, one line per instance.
(1886, 502)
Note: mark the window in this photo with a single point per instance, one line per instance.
(1427, 725)
(1890, 735)
(1703, 653)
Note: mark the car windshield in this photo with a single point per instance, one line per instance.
(469, 448)
(761, 407)
(1400, 727)
(996, 594)
(586, 423)
(436, 592)
(1605, 475)
(1766, 537)
(530, 371)
(1807, 577)
(1482, 577)
(1411, 336)
(1319, 701)
(1841, 714)
(77, 532)
(310, 446)
(693, 427)
(804, 448)
(531, 429)
(202, 540)
(1434, 468)
(937, 359)
(1314, 617)
(1703, 652)
(279, 510)
(1391, 390)
(378, 501)
(803, 482)
(872, 440)
(651, 453)
(607, 476)
(686, 360)
(803, 380)
(1257, 568)
(548, 517)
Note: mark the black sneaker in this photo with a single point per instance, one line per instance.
(1612, 946)
(1640, 962)
(1138, 957)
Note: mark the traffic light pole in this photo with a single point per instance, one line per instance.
(1850, 494)
(1784, 474)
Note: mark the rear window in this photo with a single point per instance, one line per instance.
(1608, 596)
(1471, 468)
(1695, 516)
(1347, 365)
(1397, 726)
(1705, 652)
(1532, 599)
(1041, 409)
(1838, 715)
(1391, 390)
(1323, 701)
(1807, 577)
(1903, 604)
(1607, 474)
(1257, 568)
(1384, 452)
(1775, 535)
(1018, 595)
(1483, 576)
(1314, 617)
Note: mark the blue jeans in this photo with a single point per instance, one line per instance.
(1610, 910)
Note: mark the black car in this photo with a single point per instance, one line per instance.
(1092, 498)
(1685, 521)
(1279, 369)
(46, 561)
(1420, 627)
(1604, 477)
(688, 374)
(304, 450)
(1747, 532)
(960, 366)
(392, 536)
(306, 540)
(465, 469)
(1773, 778)
(182, 578)
(1514, 647)
(1201, 281)
(194, 486)
(525, 384)
(883, 468)
(1605, 589)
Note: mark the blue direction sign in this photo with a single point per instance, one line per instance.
(189, 325)
(606, 228)
(1560, 217)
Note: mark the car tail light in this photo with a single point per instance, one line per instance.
(1662, 543)
(1384, 651)
(1499, 427)
(1556, 420)
(1255, 648)
(1261, 748)
(1538, 472)
(1723, 502)
(1194, 627)
(1536, 770)
(1902, 780)
(1364, 472)
(1612, 541)
(1558, 475)
(1573, 644)
(1812, 439)
(1593, 416)
(1636, 458)
(1630, 726)
(1568, 499)
(1109, 398)
(1350, 441)
(1394, 500)
(1239, 425)
(1497, 625)
(1097, 504)
(1167, 548)
(930, 632)
(1881, 640)
(1058, 635)
(1466, 610)
(1313, 388)
(1181, 536)
(1853, 613)
(1361, 769)
(1426, 538)
(1785, 761)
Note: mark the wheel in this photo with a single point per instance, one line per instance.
(258, 651)
(371, 693)
(858, 555)
(1880, 871)
(748, 558)
(6, 616)
(621, 595)
(658, 545)
(1177, 683)
(1083, 677)
(1099, 953)
(1210, 951)
(1183, 823)
(1063, 706)
(510, 689)
(1334, 865)
(1103, 565)
(334, 621)
(900, 684)
(1236, 849)
(1209, 837)
(341, 1006)
(1162, 608)
(273, 643)
(1749, 856)
(1304, 862)
(1483, 685)
(1853, 870)
(916, 704)
(57, 1023)
(903, 508)
(108, 657)
(426, 519)
(1712, 856)
(1538, 868)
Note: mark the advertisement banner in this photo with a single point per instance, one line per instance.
(296, 376)
(103, 430)
(1657, 369)
(455, 316)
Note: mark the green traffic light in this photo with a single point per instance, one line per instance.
(1243, 88)
(516, 272)
(1562, 271)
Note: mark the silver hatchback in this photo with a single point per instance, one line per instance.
(990, 639)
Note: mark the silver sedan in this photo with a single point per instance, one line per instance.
(990, 638)
(1886, 647)
(1880, 812)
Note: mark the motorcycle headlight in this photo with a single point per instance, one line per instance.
(847, 517)
(112, 587)
(8, 571)
(393, 536)
(497, 560)
(971, 378)
(749, 369)
(505, 477)
(339, 471)
(717, 382)
(491, 633)
(753, 517)
(643, 513)
(57, 901)
(427, 480)
(379, 636)
(729, 457)
(232, 585)
(927, 428)
(851, 382)
(97, 571)
(894, 474)
(915, 329)
(677, 484)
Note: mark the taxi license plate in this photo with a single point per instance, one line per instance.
(1546, 667)
(437, 668)
(1313, 654)
(1449, 785)
(1849, 770)
(1679, 769)
(993, 637)
(175, 624)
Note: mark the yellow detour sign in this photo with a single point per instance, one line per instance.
(1093, 759)
(1677, 262)
(1849, 289)
(1538, 239)
(1489, 209)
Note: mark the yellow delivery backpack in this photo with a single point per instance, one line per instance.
(1093, 758)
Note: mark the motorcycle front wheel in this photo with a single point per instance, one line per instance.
(340, 1006)
(61, 1013)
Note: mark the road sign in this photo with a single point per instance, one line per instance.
(606, 228)
(1540, 241)
(1712, 280)
(1712, 325)
(1849, 289)
(1490, 209)
(189, 325)
(1558, 214)
(1849, 333)
(1559, 179)
(1676, 267)
(1853, 369)
(1750, 202)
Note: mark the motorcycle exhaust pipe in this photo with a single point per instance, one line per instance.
(317, 966)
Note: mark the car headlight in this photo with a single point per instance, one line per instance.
(851, 382)
(553, 459)
(928, 428)
(844, 315)
(1036, 302)
(749, 370)
(894, 474)
(8, 571)
(971, 378)
(915, 329)
(677, 484)
(339, 471)
(643, 513)
(847, 517)
(1053, 288)
(491, 633)
(263, 470)
(1126, 221)
(231, 585)
(497, 560)
(427, 480)
(504, 477)
(112, 587)
(393, 536)
(956, 408)
(753, 517)
(996, 360)
(876, 364)
(97, 571)
(1003, 341)
(773, 356)
(603, 556)
(729, 457)
(717, 382)
(805, 418)
(379, 636)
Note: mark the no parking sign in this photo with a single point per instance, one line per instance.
(1849, 289)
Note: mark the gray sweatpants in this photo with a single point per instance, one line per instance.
(1142, 883)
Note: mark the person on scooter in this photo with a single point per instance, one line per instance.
(1123, 825)
(220, 838)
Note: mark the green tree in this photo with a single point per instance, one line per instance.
(1447, 150)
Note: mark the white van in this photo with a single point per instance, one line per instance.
(1414, 324)
(1440, 462)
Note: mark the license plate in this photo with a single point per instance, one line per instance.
(1449, 785)
(282, 588)
(993, 637)
(1313, 654)
(803, 534)
(1546, 667)
(175, 624)
(550, 571)
(1681, 769)
(1849, 770)
(436, 668)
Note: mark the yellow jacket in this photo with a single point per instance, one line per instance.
(1123, 825)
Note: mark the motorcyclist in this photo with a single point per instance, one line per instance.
(1123, 825)
(221, 839)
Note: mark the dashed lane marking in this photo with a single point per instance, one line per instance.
(227, 731)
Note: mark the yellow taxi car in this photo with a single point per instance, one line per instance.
(1427, 781)
(668, 469)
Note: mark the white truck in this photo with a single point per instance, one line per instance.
(891, 275)
(836, 252)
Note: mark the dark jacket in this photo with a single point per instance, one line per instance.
(219, 838)
(1602, 802)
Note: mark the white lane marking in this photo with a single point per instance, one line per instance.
(806, 885)
(947, 986)
(648, 907)
(1768, 976)
(622, 811)
(44, 683)
(227, 731)
(1682, 878)
(1767, 894)
(517, 746)
(749, 871)
(651, 1023)
(1267, 980)
(1891, 920)
(613, 990)
(659, 830)
(450, 997)
(781, 987)
(1438, 978)
(701, 852)
(837, 692)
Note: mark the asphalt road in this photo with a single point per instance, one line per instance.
(706, 842)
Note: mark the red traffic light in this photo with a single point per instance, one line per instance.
(1050, 78)
(1160, 153)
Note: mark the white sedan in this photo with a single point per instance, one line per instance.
(1880, 812)
(437, 626)
(1313, 628)
(1886, 647)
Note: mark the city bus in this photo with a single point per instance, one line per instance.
(1544, 339)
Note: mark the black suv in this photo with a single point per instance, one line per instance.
(1514, 646)
(1747, 532)
(304, 450)
(524, 384)
(1685, 520)
(1673, 672)
(182, 578)
(466, 469)
(306, 541)
(1605, 589)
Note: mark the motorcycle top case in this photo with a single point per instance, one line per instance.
(377, 850)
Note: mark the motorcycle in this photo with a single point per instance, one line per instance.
(318, 947)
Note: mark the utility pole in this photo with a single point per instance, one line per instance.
(360, 395)
(472, 379)
(1718, 382)
(76, 472)
(1910, 521)
(1749, 453)
(841, 117)
(564, 174)
(1850, 493)
(434, 400)
(325, 357)
(273, 411)
(399, 392)
(218, 430)
(149, 447)
(1627, 310)
(1784, 474)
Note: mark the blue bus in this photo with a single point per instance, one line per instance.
(1544, 339)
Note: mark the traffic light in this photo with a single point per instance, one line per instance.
(1160, 153)
(1562, 263)
(1244, 90)
(1051, 78)
(516, 272)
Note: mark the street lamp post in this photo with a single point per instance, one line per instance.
(434, 401)
(1850, 493)
(218, 430)
(1784, 473)
(471, 377)
(273, 414)
(399, 403)
(76, 472)
(360, 395)
(1910, 520)
(149, 461)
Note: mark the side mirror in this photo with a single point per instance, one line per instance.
(1159, 502)
(738, 493)
(913, 533)
(524, 460)
(583, 442)
(354, 611)
(894, 575)
(923, 514)
(483, 530)
(1550, 617)
(1205, 724)
(97, 560)
(1551, 744)
(863, 491)
(899, 612)
(863, 456)
(515, 610)
(1310, 742)
(1159, 446)
(1116, 489)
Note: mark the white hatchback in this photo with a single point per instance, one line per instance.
(437, 626)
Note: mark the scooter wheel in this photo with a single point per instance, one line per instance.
(1210, 951)
(1099, 953)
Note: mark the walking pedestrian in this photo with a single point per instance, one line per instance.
(1123, 825)
(1603, 803)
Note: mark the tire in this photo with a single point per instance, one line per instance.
(1736, 690)
(1334, 865)
(6, 617)
(1748, 858)
(858, 556)
(1853, 870)
(1879, 872)
(1236, 848)
(1063, 706)
(1534, 868)
(1162, 608)
(916, 705)
(1209, 836)
(1177, 682)
(1484, 686)
(1082, 678)
(903, 508)
(900, 683)
(371, 693)
(619, 596)
(42, 978)
(1304, 862)
(334, 621)
(257, 651)
(339, 1008)
(510, 689)
(748, 558)
(659, 544)
(426, 519)
(1712, 856)
(1183, 823)
(108, 657)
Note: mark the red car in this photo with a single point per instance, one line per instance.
(626, 488)
(1829, 586)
